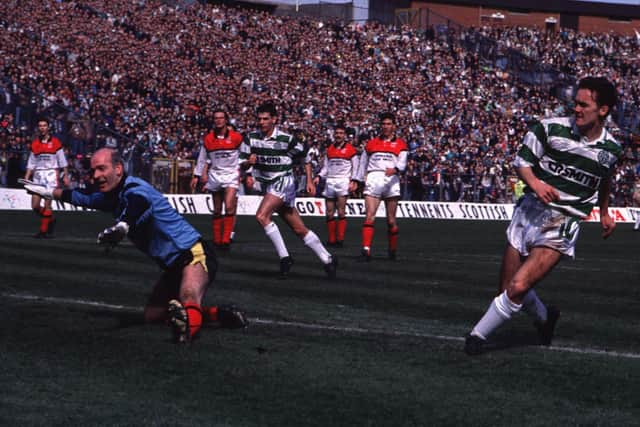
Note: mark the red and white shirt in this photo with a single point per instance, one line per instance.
(46, 155)
(380, 155)
(222, 152)
(340, 162)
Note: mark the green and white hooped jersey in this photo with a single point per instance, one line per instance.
(560, 157)
(276, 154)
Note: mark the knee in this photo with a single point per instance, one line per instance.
(263, 219)
(300, 231)
(516, 289)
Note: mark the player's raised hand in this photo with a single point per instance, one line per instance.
(113, 235)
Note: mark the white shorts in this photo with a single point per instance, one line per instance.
(46, 177)
(536, 224)
(218, 182)
(382, 186)
(336, 187)
(283, 188)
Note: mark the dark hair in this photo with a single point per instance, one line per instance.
(221, 110)
(340, 125)
(605, 92)
(267, 107)
(388, 115)
(43, 119)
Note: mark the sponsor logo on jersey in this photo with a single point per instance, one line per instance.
(574, 174)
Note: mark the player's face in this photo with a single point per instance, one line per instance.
(387, 128)
(586, 110)
(43, 128)
(105, 175)
(267, 123)
(339, 135)
(220, 121)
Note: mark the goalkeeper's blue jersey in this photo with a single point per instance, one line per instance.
(154, 225)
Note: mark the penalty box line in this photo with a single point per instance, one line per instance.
(321, 327)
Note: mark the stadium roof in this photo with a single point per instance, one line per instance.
(300, 2)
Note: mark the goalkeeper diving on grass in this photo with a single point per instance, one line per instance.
(144, 216)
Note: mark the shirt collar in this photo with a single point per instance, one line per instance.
(273, 135)
(583, 139)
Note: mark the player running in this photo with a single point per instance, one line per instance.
(567, 164)
(382, 161)
(219, 155)
(271, 154)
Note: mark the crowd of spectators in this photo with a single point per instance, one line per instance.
(143, 76)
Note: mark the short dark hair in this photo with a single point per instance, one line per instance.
(605, 92)
(340, 125)
(267, 107)
(43, 119)
(221, 110)
(388, 115)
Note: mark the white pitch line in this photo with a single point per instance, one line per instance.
(319, 327)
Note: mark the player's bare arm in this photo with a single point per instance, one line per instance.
(608, 224)
(311, 185)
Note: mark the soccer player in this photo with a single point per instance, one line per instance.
(46, 161)
(567, 164)
(221, 147)
(145, 216)
(383, 159)
(339, 168)
(271, 154)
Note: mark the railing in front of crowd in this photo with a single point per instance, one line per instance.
(172, 176)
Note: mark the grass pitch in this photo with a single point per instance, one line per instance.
(381, 345)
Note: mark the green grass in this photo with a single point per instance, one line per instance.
(379, 346)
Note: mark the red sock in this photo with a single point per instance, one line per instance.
(194, 314)
(392, 235)
(367, 234)
(229, 222)
(217, 229)
(47, 215)
(331, 229)
(342, 227)
(210, 314)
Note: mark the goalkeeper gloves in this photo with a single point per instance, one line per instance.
(36, 189)
(113, 235)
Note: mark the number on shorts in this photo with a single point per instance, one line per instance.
(568, 228)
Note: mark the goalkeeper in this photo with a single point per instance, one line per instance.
(145, 216)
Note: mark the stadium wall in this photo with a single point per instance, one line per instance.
(201, 204)
(475, 15)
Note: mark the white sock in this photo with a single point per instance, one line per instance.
(312, 240)
(635, 227)
(532, 305)
(500, 310)
(273, 233)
